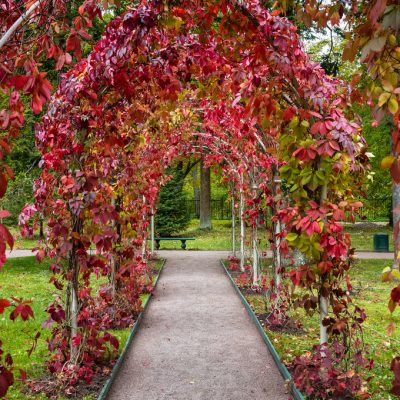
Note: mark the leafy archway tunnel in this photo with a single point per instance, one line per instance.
(228, 81)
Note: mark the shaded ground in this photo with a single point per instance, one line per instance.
(197, 340)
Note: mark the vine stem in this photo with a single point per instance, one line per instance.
(233, 223)
(242, 226)
(18, 22)
(323, 300)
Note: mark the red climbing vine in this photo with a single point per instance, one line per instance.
(227, 80)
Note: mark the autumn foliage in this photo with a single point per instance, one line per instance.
(228, 81)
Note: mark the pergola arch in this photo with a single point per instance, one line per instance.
(162, 80)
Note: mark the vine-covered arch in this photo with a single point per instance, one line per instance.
(229, 81)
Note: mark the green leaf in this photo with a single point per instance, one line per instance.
(383, 98)
(306, 178)
(396, 273)
(291, 237)
(305, 124)
(393, 105)
(387, 269)
(294, 122)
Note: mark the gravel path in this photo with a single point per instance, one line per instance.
(197, 341)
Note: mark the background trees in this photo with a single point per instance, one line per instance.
(172, 217)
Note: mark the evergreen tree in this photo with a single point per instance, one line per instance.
(172, 216)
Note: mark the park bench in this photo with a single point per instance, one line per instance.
(182, 239)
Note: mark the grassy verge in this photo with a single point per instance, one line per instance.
(372, 295)
(23, 277)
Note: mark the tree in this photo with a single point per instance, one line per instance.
(171, 215)
(205, 197)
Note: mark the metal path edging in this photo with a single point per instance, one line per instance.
(107, 386)
(282, 368)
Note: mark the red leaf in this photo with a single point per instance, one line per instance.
(3, 185)
(4, 214)
(9, 171)
(6, 235)
(23, 310)
(3, 386)
(60, 62)
(6, 380)
(377, 10)
(4, 303)
(5, 146)
(36, 104)
(19, 81)
(22, 375)
(395, 294)
(395, 171)
(390, 329)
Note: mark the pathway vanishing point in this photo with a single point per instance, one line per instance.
(196, 340)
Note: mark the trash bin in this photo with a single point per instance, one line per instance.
(381, 242)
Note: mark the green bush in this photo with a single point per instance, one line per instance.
(172, 217)
(19, 193)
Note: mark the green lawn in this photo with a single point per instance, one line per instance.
(24, 277)
(362, 235)
(370, 294)
(220, 237)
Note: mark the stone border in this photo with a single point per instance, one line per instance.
(282, 368)
(107, 386)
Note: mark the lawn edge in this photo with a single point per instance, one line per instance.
(107, 386)
(282, 368)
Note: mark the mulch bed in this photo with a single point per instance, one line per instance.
(291, 326)
(51, 387)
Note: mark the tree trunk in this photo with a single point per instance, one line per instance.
(323, 312)
(233, 225)
(242, 230)
(41, 229)
(278, 311)
(205, 197)
(72, 295)
(323, 299)
(144, 231)
(255, 255)
(152, 232)
(276, 232)
(277, 257)
(196, 191)
(115, 261)
(396, 223)
(6, 37)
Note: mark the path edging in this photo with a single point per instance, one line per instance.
(107, 386)
(282, 368)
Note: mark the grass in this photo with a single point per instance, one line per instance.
(217, 238)
(220, 237)
(362, 235)
(370, 294)
(24, 277)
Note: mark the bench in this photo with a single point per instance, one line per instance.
(182, 239)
